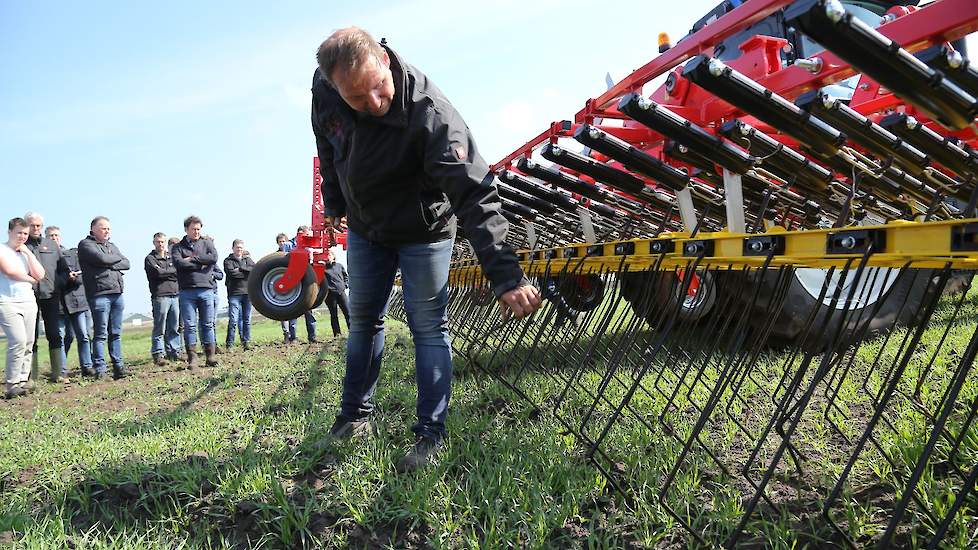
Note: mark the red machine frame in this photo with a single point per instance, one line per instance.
(312, 250)
(942, 21)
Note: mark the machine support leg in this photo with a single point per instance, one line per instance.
(686, 209)
(531, 234)
(587, 226)
(733, 190)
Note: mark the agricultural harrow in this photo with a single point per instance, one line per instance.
(757, 277)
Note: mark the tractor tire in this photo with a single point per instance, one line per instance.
(273, 304)
(663, 296)
(901, 295)
(320, 296)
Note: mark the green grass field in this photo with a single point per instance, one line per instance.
(226, 459)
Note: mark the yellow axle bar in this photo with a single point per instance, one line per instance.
(922, 244)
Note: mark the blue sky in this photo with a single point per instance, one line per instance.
(147, 112)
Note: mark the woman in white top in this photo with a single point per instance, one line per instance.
(19, 271)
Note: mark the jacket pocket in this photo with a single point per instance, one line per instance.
(434, 207)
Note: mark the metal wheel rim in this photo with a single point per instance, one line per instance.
(695, 300)
(273, 296)
(882, 278)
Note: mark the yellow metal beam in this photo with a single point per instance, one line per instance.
(922, 244)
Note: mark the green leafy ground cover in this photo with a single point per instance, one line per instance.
(228, 459)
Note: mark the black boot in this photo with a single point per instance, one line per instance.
(210, 352)
(192, 359)
(57, 365)
(119, 372)
(158, 359)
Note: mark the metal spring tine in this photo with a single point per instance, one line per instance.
(925, 375)
(750, 354)
(602, 396)
(900, 350)
(630, 329)
(847, 359)
(659, 342)
(789, 383)
(733, 361)
(828, 362)
(611, 374)
(788, 416)
(902, 361)
(962, 494)
(600, 319)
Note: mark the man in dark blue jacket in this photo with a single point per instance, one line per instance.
(162, 277)
(48, 294)
(237, 268)
(102, 265)
(337, 281)
(75, 319)
(194, 258)
(399, 162)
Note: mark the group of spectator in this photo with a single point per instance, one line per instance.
(78, 291)
(72, 291)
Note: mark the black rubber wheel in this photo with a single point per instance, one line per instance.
(276, 305)
(320, 296)
(574, 292)
(901, 295)
(652, 293)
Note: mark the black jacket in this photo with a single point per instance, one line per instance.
(102, 265)
(161, 274)
(48, 254)
(237, 272)
(73, 298)
(401, 178)
(194, 262)
(336, 278)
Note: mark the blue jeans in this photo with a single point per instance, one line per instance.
(194, 301)
(239, 317)
(200, 320)
(74, 326)
(424, 276)
(288, 327)
(107, 311)
(166, 319)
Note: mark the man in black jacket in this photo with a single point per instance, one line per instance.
(194, 258)
(237, 268)
(74, 305)
(162, 277)
(336, 281)
(48, 253)
(397, 159)
(102, 265)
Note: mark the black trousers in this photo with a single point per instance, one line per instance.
(49, 311)
(334, 299)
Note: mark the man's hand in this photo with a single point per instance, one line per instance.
(334, 221)
(520, 302)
